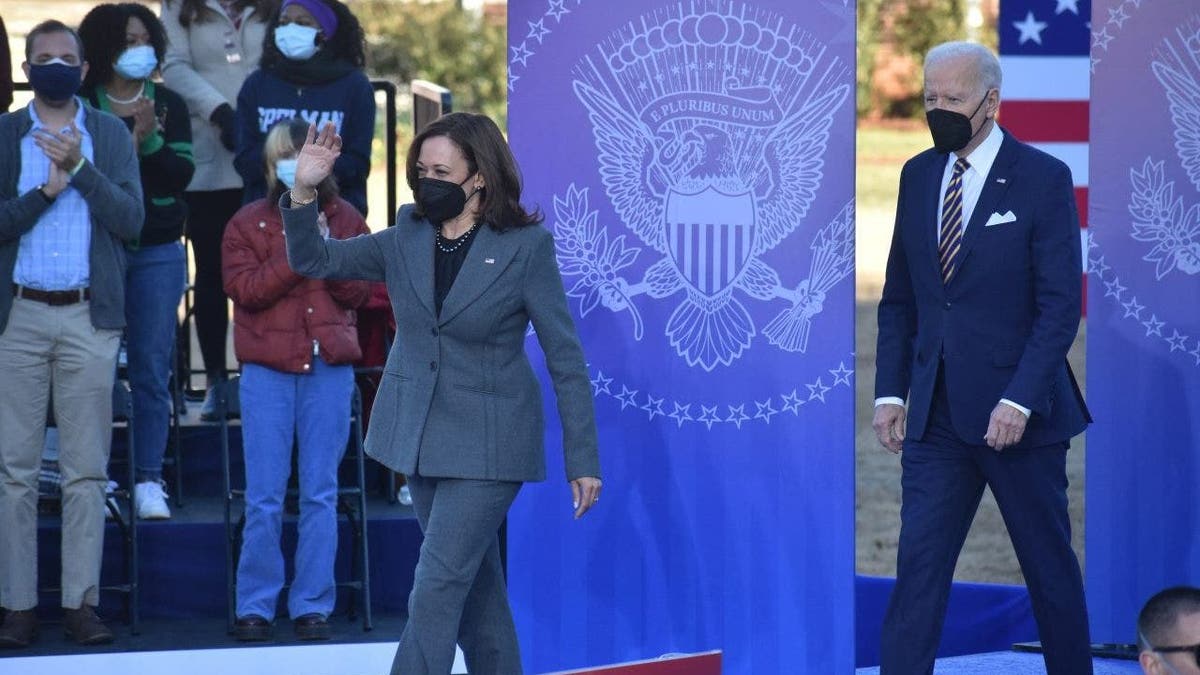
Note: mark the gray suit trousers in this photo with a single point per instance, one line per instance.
(459, 594)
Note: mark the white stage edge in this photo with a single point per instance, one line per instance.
(371, 658)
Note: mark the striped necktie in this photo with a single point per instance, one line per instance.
(950, 238)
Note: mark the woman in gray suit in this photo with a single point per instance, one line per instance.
(459, 411)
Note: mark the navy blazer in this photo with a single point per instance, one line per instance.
(459, 398)
(1003, 325)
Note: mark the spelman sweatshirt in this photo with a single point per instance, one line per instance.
(266, 99)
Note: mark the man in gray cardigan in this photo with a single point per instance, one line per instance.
(70, 195)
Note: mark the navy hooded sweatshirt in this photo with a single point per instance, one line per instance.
(348, 101)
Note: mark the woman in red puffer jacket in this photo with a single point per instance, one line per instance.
(296, 340)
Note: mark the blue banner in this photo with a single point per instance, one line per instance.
(1143, 455)
(695, 161)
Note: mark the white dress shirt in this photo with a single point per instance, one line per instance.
(981, 160)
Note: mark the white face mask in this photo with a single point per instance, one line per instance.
(136, 63)
(285, 171)
(296, 42)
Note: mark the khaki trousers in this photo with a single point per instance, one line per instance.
(44, 347)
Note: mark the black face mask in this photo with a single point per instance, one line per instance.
(55, 81)
(441, 200)
(952, 130)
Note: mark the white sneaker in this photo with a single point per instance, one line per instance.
(111, 507)
(151, 501)
(405, 496)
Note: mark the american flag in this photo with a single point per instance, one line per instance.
(1044, 52)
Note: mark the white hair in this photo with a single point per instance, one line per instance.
(987, 66)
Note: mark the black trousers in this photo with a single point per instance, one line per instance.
(208, 213)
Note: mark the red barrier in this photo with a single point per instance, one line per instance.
(704, 663)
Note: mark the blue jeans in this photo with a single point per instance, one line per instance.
(153, 288)
(314, 409)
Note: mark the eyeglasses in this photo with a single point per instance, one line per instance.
(1194, 649)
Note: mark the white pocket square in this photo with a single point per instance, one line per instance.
(1000, 218)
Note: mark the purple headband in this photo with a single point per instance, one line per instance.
(325, 17)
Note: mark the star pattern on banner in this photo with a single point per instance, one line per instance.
(841, 375)
(681, 413)
(1114, 288)
(817, 390)
(1045, 29)
(600, 383)
(557, 10)
(520, 54)
(1178, 341)
(737, 415)
(538, 30)
(1133, 308)
(653, 406)
(1067, 6)
(708, 415)
(627, 397)
(1169, 337)
(737, 412)
(1154, 326)
(764, 411)
(1117, 16)
(1031, 29)
(792, 402)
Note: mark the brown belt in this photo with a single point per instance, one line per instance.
(53, 298)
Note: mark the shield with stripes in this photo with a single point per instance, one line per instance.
(710, 236)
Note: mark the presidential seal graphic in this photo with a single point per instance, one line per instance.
(1162, 215)
(710, 124)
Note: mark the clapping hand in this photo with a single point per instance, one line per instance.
(315, 161)
(144, 121)
(62, 148)
(56, 182)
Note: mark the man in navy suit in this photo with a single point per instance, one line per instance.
(981, 302)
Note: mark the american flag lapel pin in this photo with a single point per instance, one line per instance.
(489, 261)
(1002, 181)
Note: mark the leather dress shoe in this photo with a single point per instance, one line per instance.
(311, 627)
(83, 626)
(252, 628)
(18, 629)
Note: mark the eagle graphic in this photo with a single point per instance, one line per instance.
(712, 195)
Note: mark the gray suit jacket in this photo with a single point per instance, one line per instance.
(459, 398)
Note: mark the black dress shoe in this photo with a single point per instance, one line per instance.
(252, 628)
(18, 629)
(84, 627)
(311, 627)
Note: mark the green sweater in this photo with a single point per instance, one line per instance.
(165, 158)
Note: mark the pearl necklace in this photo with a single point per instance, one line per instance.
(126, 101)
(457, 243)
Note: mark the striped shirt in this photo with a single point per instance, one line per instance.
(53, 256)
